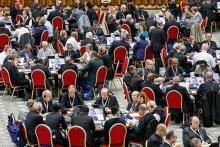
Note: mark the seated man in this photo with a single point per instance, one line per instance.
(137, 80)
(86, 122)
(129, 75)
(174, 70)
(133, 105)
(211, 44)
(157, 138)
(70, 52)
(149, 67)
(194, 131)
(46, 101)
(201, 68)
(138, 131)
(17, 78)
(96, 30)
(171, 138)
(187, 103)
(68, 65)
(89, 39)
(26, 53)
(106, 100)
(71, 98)
(45, 51)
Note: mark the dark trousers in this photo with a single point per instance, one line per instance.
(157, 63)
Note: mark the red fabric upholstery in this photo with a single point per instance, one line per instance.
(60, 47)
(57, 22)
(44, 36)
(184, 37)
(163, 55)
(44, 135)
(82, 50)
(149, 53)
(136, 142)
(77, 137)
(101, 75)
(69, 77)
(149, 93)
(1, 79)
(38, 79)
(127, 28)
(98, 13)
(174, 99)
(6, 77)
(165, 109)
(125, 65)
(167, 120)
(183, 5)
(173, 33)
(101, 18)
(119, 54)
(125, 88)
(204, 23)
(4, 39)
(18, 18)
(169, 61)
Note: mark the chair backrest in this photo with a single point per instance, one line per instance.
(98, 13)
(77, 137)
(204, 23)
(101, 75)
(106, 27)
(60, 47)
(6, 77)
(127, 96)
(38, 78)
(166, 110)
(57, 22)
(183, 5)
(24, 134)
(149, 54)
(18, 18)
(119, 54)
(127, 28)
(167, 120)
(4, 39)
(149, 93)
(82, 50)
(44, 35)
(174, 99)
(44, 135)
(125, 66)
(69, 77)
(101, 17)
(169, 61)
(163, 56)
(116, 138)
(173, 33)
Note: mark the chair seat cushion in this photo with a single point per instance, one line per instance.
(118, 75)
(136, 142)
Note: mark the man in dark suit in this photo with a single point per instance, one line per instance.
(170, 140)
(86, 122)
(46, 101)
(137, 80)
(129, 75)
(70, 52)
(133, 106)
(174, 70)
(122, 42)
(68, 65)
(194, 131)
(149, 68)
(157, 138)
(109, 123)
(96, 30)
(157, 37)
(90, 12)
(151, 21)
(187, 103)
(106, 100)
(212, 44)
(71, 98)
(149, 82)
(92, 68)
(26, 52)
(53, 14)
(89, 39)
(17, 78)
(15, 10)
(121, 14)
(32, 120)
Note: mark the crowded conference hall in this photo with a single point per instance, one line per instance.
(109, 73)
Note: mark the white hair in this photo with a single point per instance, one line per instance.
(205, 46)
(37, 106)
(89, 35)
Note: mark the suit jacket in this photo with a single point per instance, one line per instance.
(92, 68)
(92, 15)
(84, 42)
(14, 11)
(37, 33)
(139, 49)
(165, 145)
(67, 66)
(73, 54)
(32, 120)
(133, 106)
(109, 124)
(67, 102)
(17, 77)
(47, 107)
(154, 141)
(53, 14)
(182, 60)
(120, 15)
(55, 121)
(158, 111)
(5, 31)
(170, 72)
(157, 37)
(127, 79)
(189, 134)
(151, 22)
(107, 63)
(87, 123)
(36, 10)
(136, 83)
(212, 44)
(112, 101)
(187, 102)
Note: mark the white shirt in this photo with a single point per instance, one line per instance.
(19, 32)
(44, 54)
(204, 56)
(73, 41)
(2, 57)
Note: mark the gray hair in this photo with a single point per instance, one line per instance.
(195, 142)
(37, 106)
(205, 46)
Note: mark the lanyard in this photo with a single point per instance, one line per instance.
(46, 105)
(104, 104)
(198, 134)
(133, 106)
(71, 101)
(174, 72)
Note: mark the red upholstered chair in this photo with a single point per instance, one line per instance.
(116, 139)
(44, 135)
(127, 28)
(98, 13)
(24, 136)
(169, 61)
(173, 33)
(183, 5)
(106, 27)
(77, 137)
(18, 18)
(44, 37)
(166, 110)
(7, 82)
(57, 22)
(120, 75)
(82, 50)
(4, 39)
(69, 77)
(204, 24)
(101, 18)
(163, 56)
(149, 53)
(127, 96)
(167, 120)
(174, 101)
(149, 93)
(60, 47)
(39, 79)
(119, 54)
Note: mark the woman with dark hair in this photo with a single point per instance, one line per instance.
(142, 31)
(142, 98)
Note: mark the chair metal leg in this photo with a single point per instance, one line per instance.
(12, 93)
(4, 92)
(183, 118)
(121, 82)
(32, 94)
(94, 92)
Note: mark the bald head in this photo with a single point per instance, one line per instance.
(161, 130)
(89, 35)
(208, 75)
(152, 105)
(195, 122)
(176, 80)
(150, 77)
